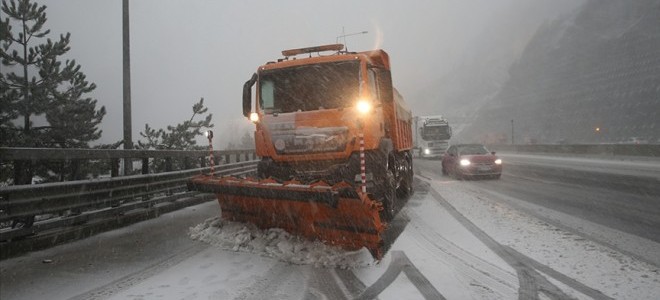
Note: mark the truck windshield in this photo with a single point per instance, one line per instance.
(310, 87)
(435, 133)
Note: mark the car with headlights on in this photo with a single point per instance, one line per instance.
(471, 160)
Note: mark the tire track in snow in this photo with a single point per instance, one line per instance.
(556, 275)
(323, 285)
(308, 283)
(484, 274)
(353, 284)
(130, 280)
(269, 284)
(400, 263)
(629, 244)
(531, 282)
(481, 271)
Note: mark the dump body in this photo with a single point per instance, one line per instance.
(431, 136)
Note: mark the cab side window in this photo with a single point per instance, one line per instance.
(384, 82)
(373, 89)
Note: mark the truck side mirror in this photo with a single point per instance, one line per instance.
(247, 95)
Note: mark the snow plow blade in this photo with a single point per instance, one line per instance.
(336, 215)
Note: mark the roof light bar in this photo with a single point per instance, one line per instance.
(331, 47)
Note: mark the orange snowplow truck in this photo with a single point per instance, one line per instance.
(334, 138)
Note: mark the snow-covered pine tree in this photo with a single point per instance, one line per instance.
(35, 82)
(181, 136)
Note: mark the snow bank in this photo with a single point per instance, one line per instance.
(277, 243)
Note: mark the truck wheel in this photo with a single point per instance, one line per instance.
(388, 196)
(406, 188)
(262, 170)
(266, 169)
(410, 180)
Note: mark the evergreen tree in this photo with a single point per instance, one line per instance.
(74, 120)
(179, 137)
(35, 82)
(247, 141)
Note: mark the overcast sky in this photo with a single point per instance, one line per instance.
(184, 50)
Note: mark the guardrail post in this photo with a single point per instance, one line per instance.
(60, 169)
(22, 172)
(246, 156)
(209, 135)
(227, 160)
(114, 167)
(168, 164)
(145, 165)
(130, 170)
(238, 157)
(75, 168)
(202, 162)
(186, 163)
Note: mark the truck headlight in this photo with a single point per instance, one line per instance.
(254, 117)
(465, 162)
(363, 106)
(498, 161)
(427, 151)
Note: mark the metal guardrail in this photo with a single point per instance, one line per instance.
(73, 210)
(650, 150)
(28, 211)
(61, 153)
(49, 198)
(114, 156)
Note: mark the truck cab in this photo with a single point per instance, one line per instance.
(432, 134)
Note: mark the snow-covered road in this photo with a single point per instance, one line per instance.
(457, 240)
(623, 165)
(579, 267)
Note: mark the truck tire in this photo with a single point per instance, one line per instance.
(381, 165)
(263, 168)
(406, 188)
(388, 196)
(411, 178)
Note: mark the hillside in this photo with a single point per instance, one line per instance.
(591, 78)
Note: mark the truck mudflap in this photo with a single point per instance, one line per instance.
(338, 215)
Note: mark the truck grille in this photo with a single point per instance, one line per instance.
(310, 140)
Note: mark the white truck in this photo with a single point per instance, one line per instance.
(431, 136)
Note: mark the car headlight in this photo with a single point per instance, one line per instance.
(465, 162)
(363, 106)
(498, 161)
